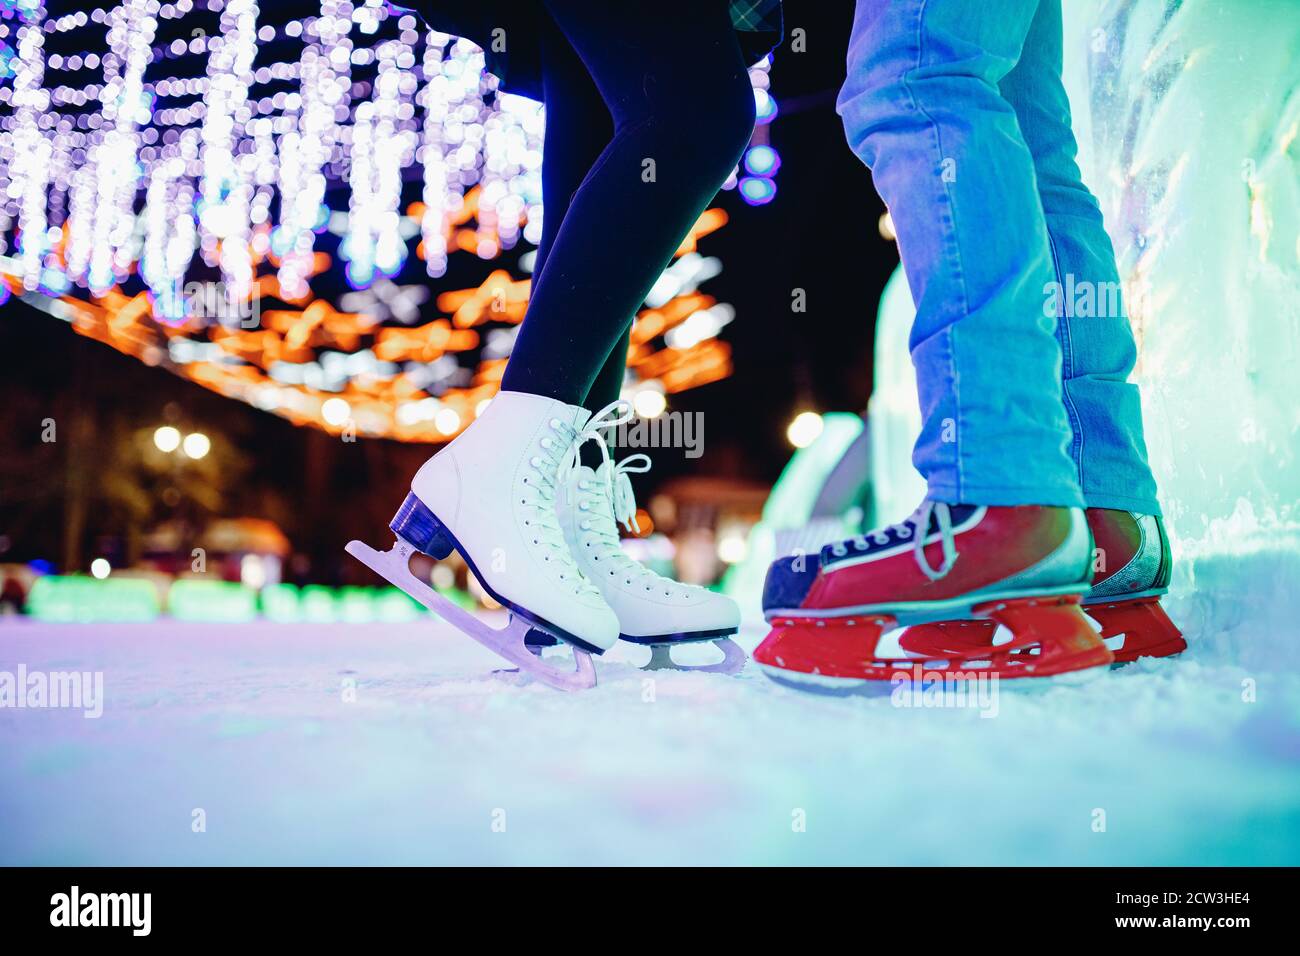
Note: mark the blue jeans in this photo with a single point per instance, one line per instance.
(1021, 343)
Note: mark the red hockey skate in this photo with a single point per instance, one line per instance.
(1024, 567)
(1131, 573)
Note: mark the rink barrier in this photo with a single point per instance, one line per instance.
(71, 599)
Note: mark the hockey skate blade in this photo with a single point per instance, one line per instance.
(733, 659)
(394, 566)
(824, 685)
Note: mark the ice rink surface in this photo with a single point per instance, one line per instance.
(360, 744)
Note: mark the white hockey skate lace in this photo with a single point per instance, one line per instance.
(915, 526)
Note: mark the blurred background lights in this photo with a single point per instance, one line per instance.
(185, 167)
(757, 190)
(335, 411)
(447, 421)
(805, 429)
(649, 403)
(196, 445)
(252, 571)
(699, 326)
(887, 230)
(762, 161)
(167, 439)
(732, 547)
(442, 577)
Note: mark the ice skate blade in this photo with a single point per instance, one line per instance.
(824, 685)
(422, 530)
(733, 659)
(1145, 628)
(683, 637)
(1125, 657)
(1132, 628)
(1049, 636)
(394, 566)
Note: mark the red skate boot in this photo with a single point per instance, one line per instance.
(1131, 573)
(1024, 567)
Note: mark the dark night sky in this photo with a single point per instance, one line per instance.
(820, 234)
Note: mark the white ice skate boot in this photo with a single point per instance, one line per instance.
(652, 610)
(491, 496)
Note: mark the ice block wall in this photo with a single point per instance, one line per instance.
(1187, 116)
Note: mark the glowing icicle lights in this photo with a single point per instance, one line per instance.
(381, 149)
(225, 192)
(443, 190)
(124, 107)
(157, 174)
(512, 159)
(160, 221)
(325, 71)
(29, 176)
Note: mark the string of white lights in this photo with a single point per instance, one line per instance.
(325, 72)
(123, 108)
(438, 189)
(225, 113)
(255, 169)
(28, 178)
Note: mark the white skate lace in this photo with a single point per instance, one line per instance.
(617, 505)
(915, 526)
(611, 416)
(551, 467)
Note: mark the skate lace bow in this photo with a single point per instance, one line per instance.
(617, 483)
(916, 526)
(620, 486)
(611, 416)
(618, 491)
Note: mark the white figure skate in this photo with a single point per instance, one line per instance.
(490, 495)
(652, 610)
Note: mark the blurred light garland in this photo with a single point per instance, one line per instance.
(138, 177)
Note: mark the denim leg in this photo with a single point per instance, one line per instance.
(1097, 347)
(922, 108)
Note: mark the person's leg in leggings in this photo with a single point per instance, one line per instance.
(609, 380)
(578, 128)
(922, 109)
(1098, 351)
(678, 132)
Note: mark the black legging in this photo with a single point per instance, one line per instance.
(663, 82)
